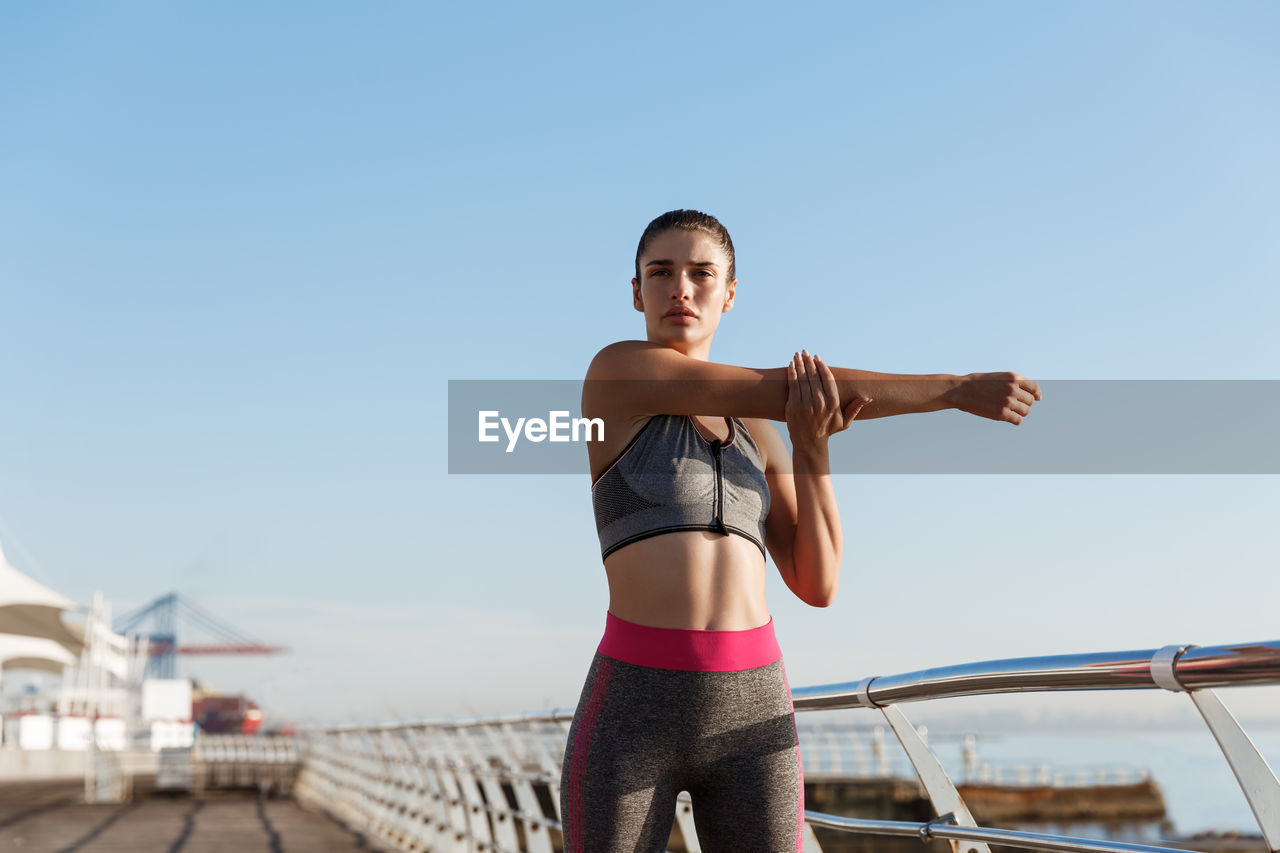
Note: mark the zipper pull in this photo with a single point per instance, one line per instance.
(718, 523)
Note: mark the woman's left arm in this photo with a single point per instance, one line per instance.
(802, 531)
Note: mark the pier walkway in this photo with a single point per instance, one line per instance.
(52, 817)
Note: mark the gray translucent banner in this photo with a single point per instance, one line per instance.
(1079, 427)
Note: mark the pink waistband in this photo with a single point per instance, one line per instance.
(687, 648)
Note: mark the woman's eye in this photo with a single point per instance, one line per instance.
(664, 272)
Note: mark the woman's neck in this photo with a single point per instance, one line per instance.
(698, 350)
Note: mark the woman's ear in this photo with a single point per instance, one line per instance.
(729, 293)
(635, 295)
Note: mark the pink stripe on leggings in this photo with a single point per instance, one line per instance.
(581, 744)
(799, 764)
(687, 648)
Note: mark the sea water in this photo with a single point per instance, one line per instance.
(1201, 793)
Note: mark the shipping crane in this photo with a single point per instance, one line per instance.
(163, 637)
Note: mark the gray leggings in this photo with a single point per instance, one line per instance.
(643, 734)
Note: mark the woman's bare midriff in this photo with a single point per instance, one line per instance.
(689, 579)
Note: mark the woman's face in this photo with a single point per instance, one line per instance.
(683, 290)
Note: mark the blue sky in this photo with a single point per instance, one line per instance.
(243, 249)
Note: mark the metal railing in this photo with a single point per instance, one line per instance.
(265, 762)
(483, 784)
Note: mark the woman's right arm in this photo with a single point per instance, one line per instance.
(637, 378)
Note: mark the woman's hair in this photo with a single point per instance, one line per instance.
(688, 220)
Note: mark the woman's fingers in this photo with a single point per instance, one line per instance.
(795, 396)
(806, 393)
(832, 393)
(827, 380)
(851, 410)
(1003, 396)
(793, 389)
(815, 386)
(813, 400)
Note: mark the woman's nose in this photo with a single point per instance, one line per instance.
(682, 287)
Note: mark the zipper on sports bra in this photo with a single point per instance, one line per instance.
(716, 448)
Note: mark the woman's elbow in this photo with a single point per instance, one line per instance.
(827, 582)
(822, 597)
(814, 583)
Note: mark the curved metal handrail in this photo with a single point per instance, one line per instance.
(1199, 667)
(1195, 669)
(554, 715)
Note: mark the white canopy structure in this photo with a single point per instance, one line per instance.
(33, 653)
(31, 609)
(101, 670)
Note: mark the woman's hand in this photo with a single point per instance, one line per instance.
(813, 403)
(998, 396)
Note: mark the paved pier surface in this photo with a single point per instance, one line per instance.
(50, 817)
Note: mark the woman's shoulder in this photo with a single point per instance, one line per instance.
(617, 359)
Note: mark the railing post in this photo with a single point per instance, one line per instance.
(944, 796)
(1256, 778)
(504, 829)
(563, 740)
(434, 816)
(413, 784)
(474, 762)
(452, 830)
(684, 820)
(537, 838)
(383, 789)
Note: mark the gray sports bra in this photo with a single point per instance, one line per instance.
(669, 477)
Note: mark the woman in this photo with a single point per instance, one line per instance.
(691, 486)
